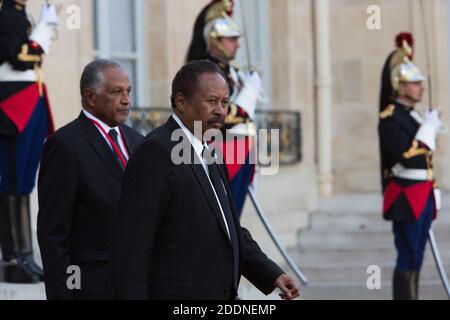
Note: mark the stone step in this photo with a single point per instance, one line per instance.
(362, 203)
(351, 203)
(365, 254)
(325, 220)
(337, 238)
(345, 291)
(333, 291)
(358, 273)
(22, 291)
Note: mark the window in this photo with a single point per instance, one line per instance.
(119, 35)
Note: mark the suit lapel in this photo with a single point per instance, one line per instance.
(98, 143)
(129, 143)
(202, 179)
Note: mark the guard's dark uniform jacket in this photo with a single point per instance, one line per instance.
(25, 117)
(407, 163)
(21, 84)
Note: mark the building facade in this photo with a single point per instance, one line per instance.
(318, 57)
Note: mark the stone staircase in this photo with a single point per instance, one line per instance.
(346, 236)
(333, 247)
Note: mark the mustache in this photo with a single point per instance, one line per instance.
(220, 120)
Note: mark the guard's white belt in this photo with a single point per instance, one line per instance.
(400, 171)
(8, 74)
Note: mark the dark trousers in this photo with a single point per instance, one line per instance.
(20, 155)
(411, 238)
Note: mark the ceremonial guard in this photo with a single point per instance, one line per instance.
(216, 38)
(25, 122)
(407, 143)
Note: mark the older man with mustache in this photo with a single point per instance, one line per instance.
(80, 183)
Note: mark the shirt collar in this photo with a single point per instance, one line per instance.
(404, 106)
(195, 142)
(100, 122)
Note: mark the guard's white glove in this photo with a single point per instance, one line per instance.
(429, 128)
(432, 116)
(49, 14)
(45, 30)
(254, 80)
(248, 97)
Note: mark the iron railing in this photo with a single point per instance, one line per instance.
(145, 120)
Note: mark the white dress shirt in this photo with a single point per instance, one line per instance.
(198, 148)
(107, 129)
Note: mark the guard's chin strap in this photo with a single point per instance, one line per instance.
(408, 100)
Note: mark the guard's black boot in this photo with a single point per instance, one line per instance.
(15, 269)
(25, 236)
(415, 284)
(28, 259)
(405, 285)
(7, 209)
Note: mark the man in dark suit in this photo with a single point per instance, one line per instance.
(177, 235)
(80, 183)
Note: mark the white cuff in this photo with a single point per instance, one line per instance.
(427, 135)
(42, 34)
(248, 99)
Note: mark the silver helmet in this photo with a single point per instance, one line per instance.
(223, 27)
(405, 72)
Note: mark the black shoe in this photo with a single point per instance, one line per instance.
(33, 266)
(17, 271)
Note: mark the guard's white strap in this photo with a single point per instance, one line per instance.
(400, 171)
(8, 74)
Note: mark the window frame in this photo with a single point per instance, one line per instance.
(139, 56)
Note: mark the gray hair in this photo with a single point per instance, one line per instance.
(92, 76)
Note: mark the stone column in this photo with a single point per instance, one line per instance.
(323, 84)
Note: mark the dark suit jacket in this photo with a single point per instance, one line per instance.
(170, 240)
(79, 187)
